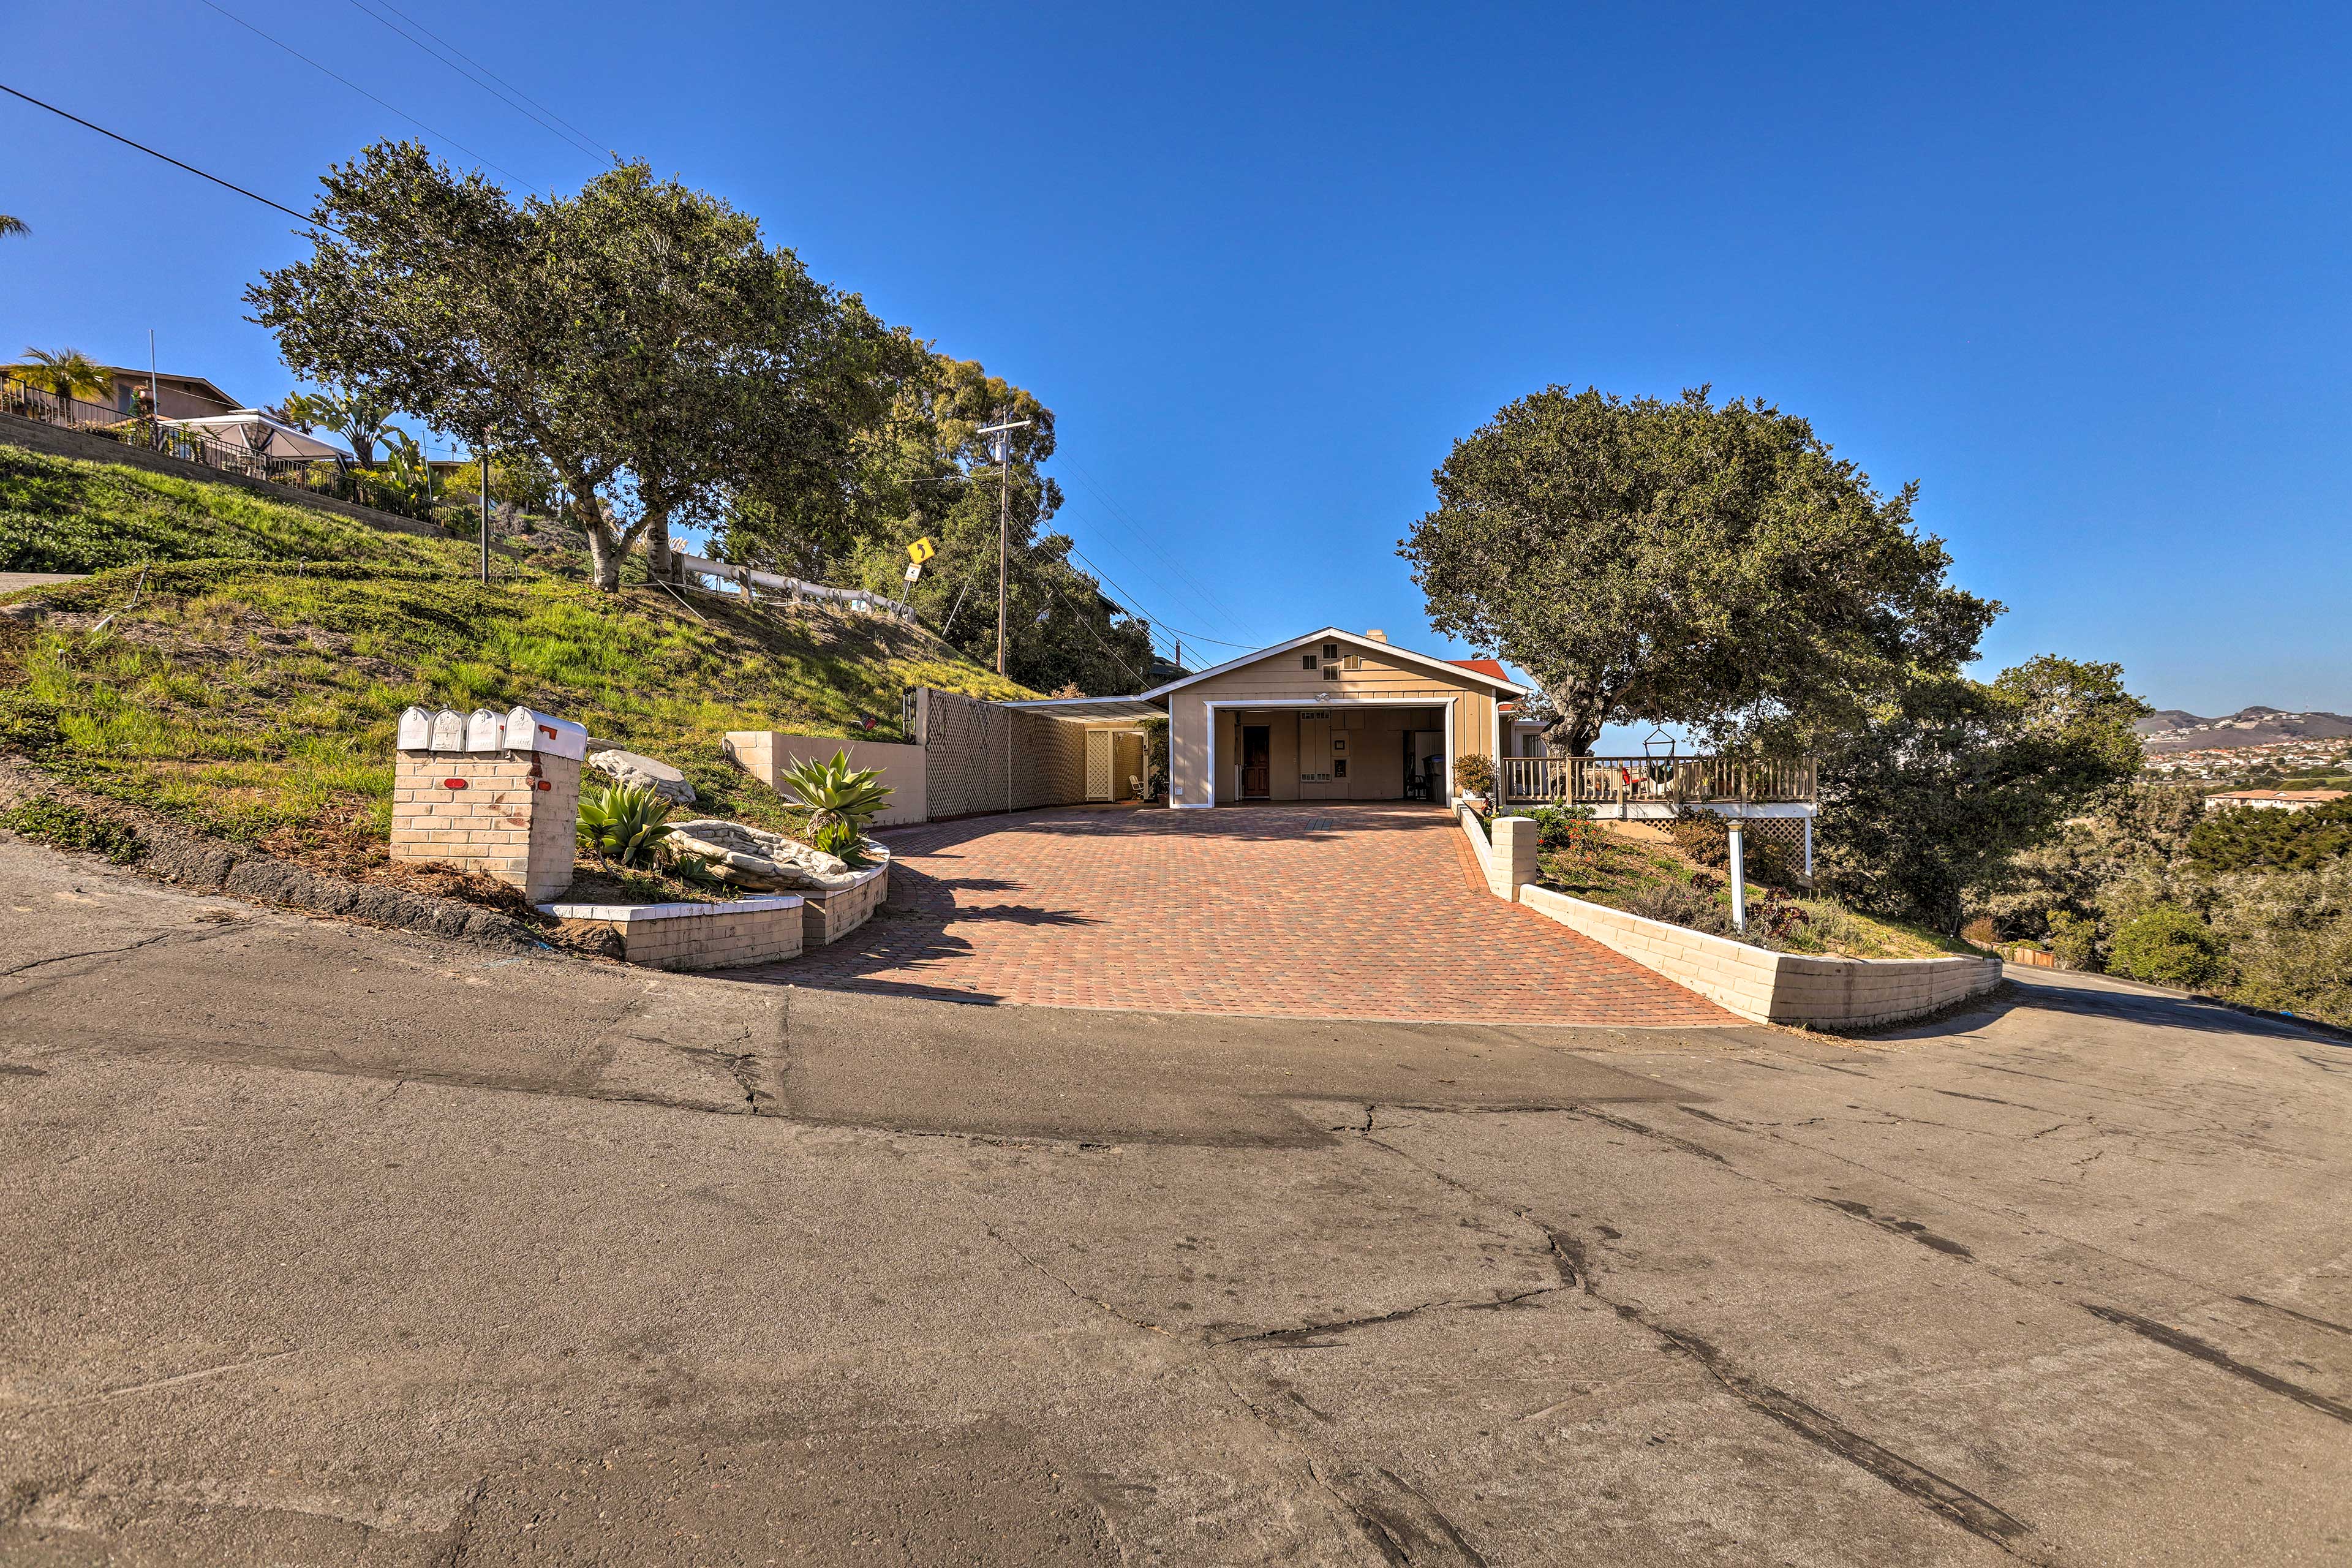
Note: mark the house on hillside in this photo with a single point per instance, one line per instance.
(176, 396)
(2274, 799)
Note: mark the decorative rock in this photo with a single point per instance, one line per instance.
(630, 768)
(754, 857)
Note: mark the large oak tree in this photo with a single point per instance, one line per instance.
(640, 338)
(1710, 565)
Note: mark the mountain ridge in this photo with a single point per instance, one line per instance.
(2178, 730)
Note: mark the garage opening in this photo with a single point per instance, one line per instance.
(1334, 751)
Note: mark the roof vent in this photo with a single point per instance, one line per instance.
(1376, 635)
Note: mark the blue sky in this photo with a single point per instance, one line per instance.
(2081, 275)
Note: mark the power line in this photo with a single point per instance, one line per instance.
(537, 112)
(1143, 536)
(363, 92)
(167, 158)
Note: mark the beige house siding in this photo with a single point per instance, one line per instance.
(1372, 694)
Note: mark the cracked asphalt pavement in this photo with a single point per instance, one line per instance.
(324, 1245)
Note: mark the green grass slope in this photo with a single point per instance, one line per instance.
(257, 698)
(63, 514)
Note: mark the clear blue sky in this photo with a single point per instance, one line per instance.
(2081, 272)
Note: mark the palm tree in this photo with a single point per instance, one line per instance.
(68, 373)
(9, 225)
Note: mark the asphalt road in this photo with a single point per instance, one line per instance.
(324, 1246)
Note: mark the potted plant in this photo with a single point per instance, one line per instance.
(1473, 780)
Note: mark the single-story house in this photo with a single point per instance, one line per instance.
(1328, 715)
(176, 396)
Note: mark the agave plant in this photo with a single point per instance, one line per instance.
(623, 823)
(837, 800)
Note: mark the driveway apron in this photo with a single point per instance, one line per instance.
(1334, 911)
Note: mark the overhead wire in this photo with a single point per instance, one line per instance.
(166, 157)
(521, 102)
(362, 91)
(1143, 536)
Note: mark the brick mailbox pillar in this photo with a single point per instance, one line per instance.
(497, 793)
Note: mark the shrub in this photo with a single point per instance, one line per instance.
(622, 822)
(70, 828)
(1474, 774)
(2168, 945)
(1567, 830)
(1705, 838)
(2073, 940)
(1682, 904)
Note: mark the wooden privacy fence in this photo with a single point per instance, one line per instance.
(1609, 781)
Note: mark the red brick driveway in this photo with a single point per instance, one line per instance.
(1324, 910)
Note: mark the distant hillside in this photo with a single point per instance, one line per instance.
(2172, 730)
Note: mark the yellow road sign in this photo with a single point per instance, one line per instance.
(923, 550)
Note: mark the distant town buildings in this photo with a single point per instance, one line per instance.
(2274, 799)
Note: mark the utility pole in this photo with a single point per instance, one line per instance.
(1003, 430)
(482, 461)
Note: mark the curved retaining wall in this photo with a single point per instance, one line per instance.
(1775, 988)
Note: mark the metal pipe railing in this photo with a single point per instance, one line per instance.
(744, 577)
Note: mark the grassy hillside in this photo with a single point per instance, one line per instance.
(62, 514)
(258, 699)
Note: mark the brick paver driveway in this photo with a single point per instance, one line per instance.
(1322, 910)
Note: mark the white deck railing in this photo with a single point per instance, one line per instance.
(1609, 780)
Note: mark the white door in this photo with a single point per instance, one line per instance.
(1098, 770)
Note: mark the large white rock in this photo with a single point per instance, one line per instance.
(631, 768)
(754, 857)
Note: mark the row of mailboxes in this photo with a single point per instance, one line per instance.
(487, 730)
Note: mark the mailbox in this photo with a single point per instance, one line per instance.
(415, 729)
(486, 731)
(448, 731)
(527, 731)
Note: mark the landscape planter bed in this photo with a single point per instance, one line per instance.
(693, 935)
(1775, 988)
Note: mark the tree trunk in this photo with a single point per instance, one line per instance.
(657, 541)
(604, 549)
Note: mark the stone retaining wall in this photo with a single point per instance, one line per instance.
(694, 936)
(1775, 988)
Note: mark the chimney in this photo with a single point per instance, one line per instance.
(1376, 635)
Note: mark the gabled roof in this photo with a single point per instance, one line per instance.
(138, 376)
(1336, 634)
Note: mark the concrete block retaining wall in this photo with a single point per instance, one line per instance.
(1508, 859)
(764, 753)
(1775, 988)
(696, 936)
(830, 916)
